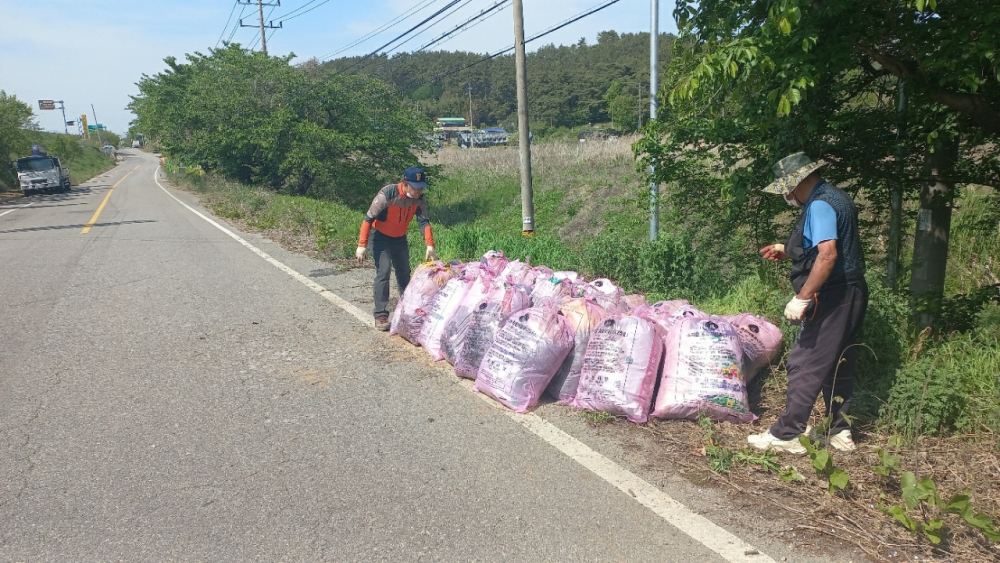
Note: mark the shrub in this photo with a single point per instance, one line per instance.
(952, 387)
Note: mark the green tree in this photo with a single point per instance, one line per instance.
(15, 117)
(257, 119)
(758, 80)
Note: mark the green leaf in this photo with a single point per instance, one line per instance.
(959, 504)
(839, 479)
(929, 491)
(784, 106)
(785, 25)
(819, 459)
(920, 5)
(902, 517)
(789, 474)
(911, 494)
(933, 530)
(795, 95)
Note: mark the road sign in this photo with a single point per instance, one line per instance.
(46, 104)
(100, 126)
(70, 123)
(91, 128)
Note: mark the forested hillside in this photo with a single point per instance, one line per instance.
(567, 85)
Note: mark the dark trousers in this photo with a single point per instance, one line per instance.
(390, 253)
(823, 359)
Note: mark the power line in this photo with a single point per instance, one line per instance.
(457, 30)
(289, 16)
(421, 32)
(398, 19)
(231, 12)
(485, 13)
(402, 35)
(236, 27)
(552, 29)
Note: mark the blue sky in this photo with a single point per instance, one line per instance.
(87, 52)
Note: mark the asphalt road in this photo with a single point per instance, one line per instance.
(167, 394)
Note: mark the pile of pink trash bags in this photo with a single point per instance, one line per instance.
(520, 331)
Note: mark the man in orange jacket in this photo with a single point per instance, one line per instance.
(390, 214)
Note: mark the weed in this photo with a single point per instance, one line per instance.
(597, 417)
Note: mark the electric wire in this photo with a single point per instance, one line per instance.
(402, 35)
(453, 32)
(428, 28)
(289, 16)
(237, 26)
(398, 19)
(459, 27)
(539, 35)
(231, 12)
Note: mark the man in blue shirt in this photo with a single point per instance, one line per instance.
(830, 301)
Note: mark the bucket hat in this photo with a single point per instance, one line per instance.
(791, 170)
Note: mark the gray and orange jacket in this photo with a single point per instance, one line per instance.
(391, 212)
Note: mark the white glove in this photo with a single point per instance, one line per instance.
(796, 308)
(361, 253)
(430, 256)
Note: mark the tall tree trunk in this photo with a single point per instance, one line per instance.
(930, 244)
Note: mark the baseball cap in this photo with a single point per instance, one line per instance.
(415, 177)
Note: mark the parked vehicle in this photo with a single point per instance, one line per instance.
(599, 135)
(41, 172)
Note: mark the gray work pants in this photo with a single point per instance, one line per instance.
(823, 359)
(390, 253)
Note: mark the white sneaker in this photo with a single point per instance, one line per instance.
(841, 441)
(765, 441)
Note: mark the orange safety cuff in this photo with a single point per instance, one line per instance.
(366, 229)
(428, 236)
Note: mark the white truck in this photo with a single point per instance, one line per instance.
(41, 172)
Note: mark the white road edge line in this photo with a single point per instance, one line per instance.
(727, 545)
(16, 208)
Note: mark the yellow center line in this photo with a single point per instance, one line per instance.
(105, 202)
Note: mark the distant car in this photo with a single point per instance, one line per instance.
(135, 144)
(599, 135)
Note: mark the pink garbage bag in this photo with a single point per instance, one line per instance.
(441, 308)
(607, 295)
(487, 318)
(702, 373)
(761, 342)
(494, 261)
(620, 366)
(518, 273)
(551, 288)
(635, 300)
(524, 356)
(408, 318)
(583, 315)
(457, 325)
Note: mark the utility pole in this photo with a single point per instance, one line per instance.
(472, 136)
(270, 25)
(62, 106)
(523, 133)
(97, 125)
(654, 189)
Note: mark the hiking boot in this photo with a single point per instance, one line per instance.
(765, 441)
(382, 323)
(841, 441)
